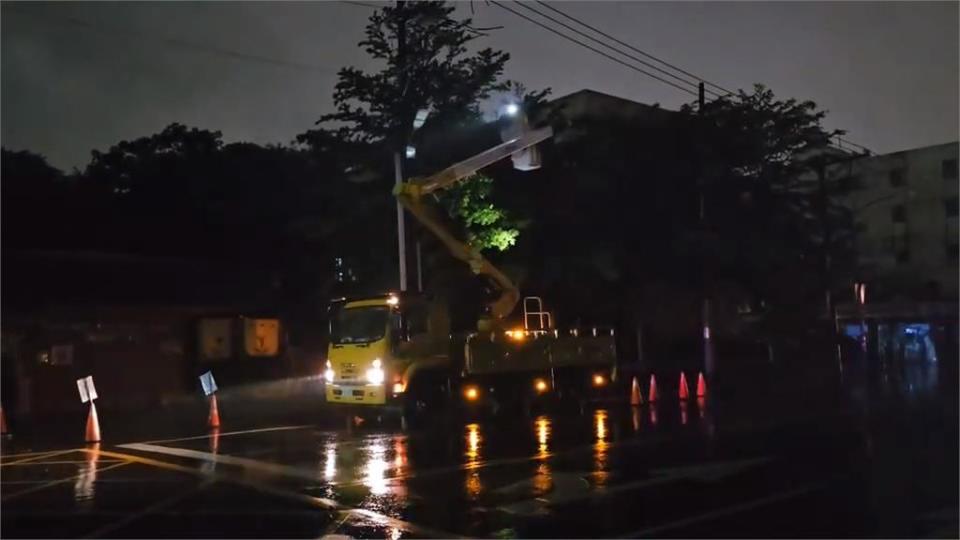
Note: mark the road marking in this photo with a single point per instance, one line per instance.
(24, 454)
(546, 456)
(565, 486)
(711, 471)
(321, 502)
(153, 508)
(729, 510)
(60, 481)
(568, 490)
(313, 475)
(23, 482)
(246, 463)
(302, 473)
(147, 461)
(76, 462)
(40, 456)
(228, 433)
(330, 531)
(623, 443)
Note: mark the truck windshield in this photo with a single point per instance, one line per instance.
(359, 325)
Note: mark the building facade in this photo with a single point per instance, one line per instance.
(904, 207)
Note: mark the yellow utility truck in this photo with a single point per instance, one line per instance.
(397, 350)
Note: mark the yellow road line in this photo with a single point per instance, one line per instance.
(147, 461)
(40, 456)
(24, 454)
(60, 481)
(59, 462)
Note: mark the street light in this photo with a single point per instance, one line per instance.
(410, 152)
(514, 124)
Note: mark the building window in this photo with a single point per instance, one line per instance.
(897, 178)
(949, 169)
(898, 214)
(950, 206)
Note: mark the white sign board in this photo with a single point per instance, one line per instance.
(208, 384)
(87, 391)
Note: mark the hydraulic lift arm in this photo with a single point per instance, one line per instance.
(411, 193)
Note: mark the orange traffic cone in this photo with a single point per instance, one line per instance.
(213, 420)
(93, 425)
(635, 398)
(3, 423)
(701, 386)
(684, 389)
(653, 389)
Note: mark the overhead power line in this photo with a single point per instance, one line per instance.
(683, 80)
(840, 144)
(363, 4)
(594, 49)
(635, 49)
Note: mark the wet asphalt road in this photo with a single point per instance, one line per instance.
(875, 463)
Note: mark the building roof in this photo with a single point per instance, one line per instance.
(592, 103)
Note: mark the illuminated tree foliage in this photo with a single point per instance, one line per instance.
(486, 225)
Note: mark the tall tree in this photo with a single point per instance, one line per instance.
(774, 216)
(35, 196)
(428, 65)
(615, 213)
(268, 209)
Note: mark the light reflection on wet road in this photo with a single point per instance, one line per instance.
(673, 468)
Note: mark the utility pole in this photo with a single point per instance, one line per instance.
(401, 229)
(708, 357)
(419, 269)
(400, 150)
(826, 261)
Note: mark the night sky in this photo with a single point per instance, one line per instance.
(80, 76)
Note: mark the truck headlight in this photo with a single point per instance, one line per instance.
(375, 374)
(328, 373)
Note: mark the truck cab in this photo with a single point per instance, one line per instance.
(378, 344)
